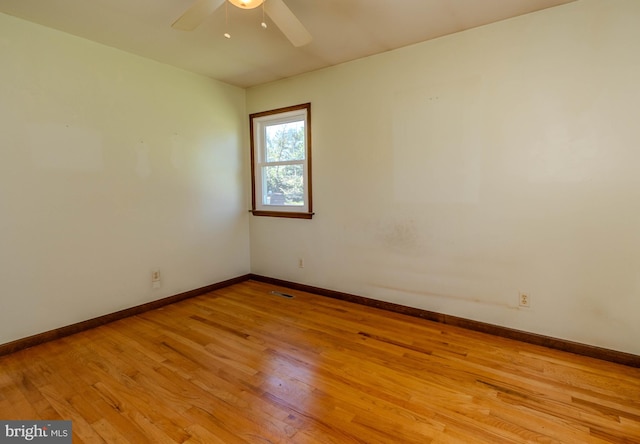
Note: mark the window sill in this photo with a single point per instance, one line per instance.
(289, 214)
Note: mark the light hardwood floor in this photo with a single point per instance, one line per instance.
(241, 365)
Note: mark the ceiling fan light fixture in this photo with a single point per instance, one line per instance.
(246, 4)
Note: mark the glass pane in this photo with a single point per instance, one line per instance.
(284, 142)
(283, 185)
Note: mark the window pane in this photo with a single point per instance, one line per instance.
(284, 142)
(283, 185)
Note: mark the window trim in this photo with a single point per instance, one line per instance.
(291, 212)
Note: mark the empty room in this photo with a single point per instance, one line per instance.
(319, 221)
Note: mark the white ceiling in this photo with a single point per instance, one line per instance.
(342, 30)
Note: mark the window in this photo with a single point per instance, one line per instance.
(281, 162)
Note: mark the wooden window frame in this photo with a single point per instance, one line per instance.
(306, 211)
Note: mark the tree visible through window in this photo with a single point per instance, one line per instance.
(285, 143)
(280, 161)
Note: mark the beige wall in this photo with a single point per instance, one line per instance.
(111, 165)
(453, 174)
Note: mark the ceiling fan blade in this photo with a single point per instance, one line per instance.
(287, 22)
(196, 14)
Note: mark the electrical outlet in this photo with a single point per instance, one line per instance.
(300, 263)
(155, 278)
(524, 299)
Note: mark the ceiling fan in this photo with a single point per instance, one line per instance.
(279, 12)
